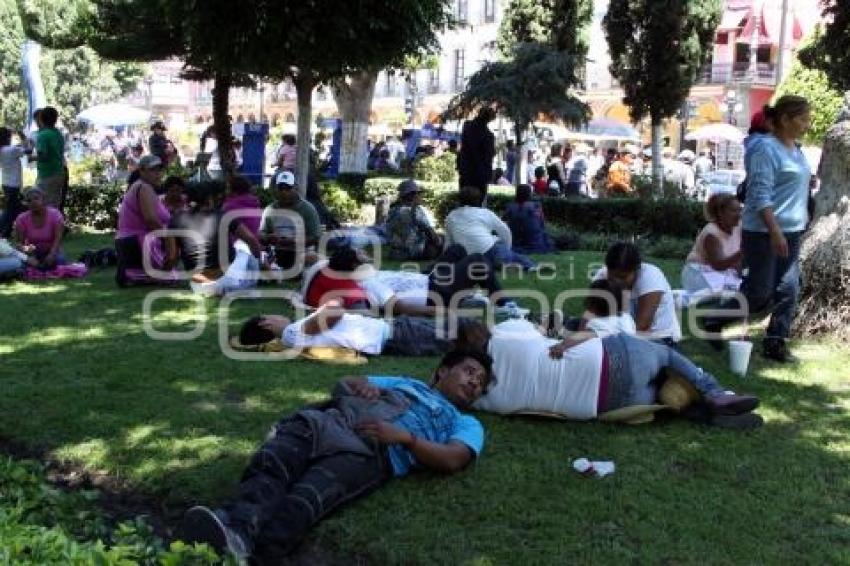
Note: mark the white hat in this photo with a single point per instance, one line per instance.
(285, 178)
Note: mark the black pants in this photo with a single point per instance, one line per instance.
(456, 272)
(12, 209)
(286, 489)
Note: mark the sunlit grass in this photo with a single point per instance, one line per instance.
(179, 420)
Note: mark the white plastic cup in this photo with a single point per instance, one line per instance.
(739, 356)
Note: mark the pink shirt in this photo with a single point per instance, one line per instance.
(248, 203)
(41, 237)
(287, 156)
(130, 219)
(729, 243)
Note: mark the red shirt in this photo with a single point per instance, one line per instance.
(541, 187)
(348, 290)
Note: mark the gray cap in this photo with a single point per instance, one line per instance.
(408, 187)
(150, 162)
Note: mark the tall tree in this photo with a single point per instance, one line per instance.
(657, 47)
(560, 23)
(537, 80)
(361, 38)
(826, 101)
(825, 256)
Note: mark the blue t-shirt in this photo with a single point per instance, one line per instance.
(778, 178)
(430, 417)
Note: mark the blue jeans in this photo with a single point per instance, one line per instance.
(772, 281)
(500, 254)
(635, 371)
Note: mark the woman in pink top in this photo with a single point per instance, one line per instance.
(715, 260)
(241, 200)
(39, 232)
(141, 213)
(286, 155)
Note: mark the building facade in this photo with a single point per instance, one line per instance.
(741, 76)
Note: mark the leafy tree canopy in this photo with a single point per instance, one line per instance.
(830, 50)
(560, 23)
(73, 78)
(537, 80)
(815, 85)
(657, 49)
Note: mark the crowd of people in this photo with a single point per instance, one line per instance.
(619, 353)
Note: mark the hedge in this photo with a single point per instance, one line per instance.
(662, 217)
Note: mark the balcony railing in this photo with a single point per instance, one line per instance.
(724, 73)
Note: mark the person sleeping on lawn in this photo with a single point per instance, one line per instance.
(583, 376)
(323, 456)
(331, 325)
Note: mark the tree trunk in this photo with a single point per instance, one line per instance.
(353, 98)
(519, 174)
(825, 257)
(657, 167)
(304, 86)
(221, 120)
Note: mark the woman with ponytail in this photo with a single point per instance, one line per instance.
(774, 219)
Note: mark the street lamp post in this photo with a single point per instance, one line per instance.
(732, 106)
(149, 92)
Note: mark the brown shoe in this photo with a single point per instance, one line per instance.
(731, 403)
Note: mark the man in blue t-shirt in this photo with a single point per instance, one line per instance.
(372, 429)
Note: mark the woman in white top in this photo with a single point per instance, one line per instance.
(715, 259)
(12, 175)
(652, 304)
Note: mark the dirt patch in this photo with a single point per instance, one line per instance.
(120, 502)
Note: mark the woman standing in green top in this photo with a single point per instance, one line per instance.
(50, 151)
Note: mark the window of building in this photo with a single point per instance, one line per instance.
(460, 57)
(462, 12)
(489, 11)
(722, 38)
(434, 80)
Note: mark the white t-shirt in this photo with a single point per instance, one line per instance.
(605, 326)
(527, 379)
(10, 165)
(650, 279)
(473, 228)
(361, 333)
(406, 285)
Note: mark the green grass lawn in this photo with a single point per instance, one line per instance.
(179, 420)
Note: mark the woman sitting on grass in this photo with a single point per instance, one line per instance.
(141, 213)
(39, 232)
(652, 304)
(715, 259)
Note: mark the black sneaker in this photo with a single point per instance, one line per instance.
(776, 349)
(203, 525)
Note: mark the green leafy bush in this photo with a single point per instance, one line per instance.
(340, 202)
(95, 206)
(41, 524)
(439, 169)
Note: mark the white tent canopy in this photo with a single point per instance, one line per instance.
(114, 115)
(717, 133)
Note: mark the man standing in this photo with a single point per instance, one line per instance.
(477, 149)
(279, 227)
(50, 155)
(157, 143)
(510, 161)
(372, 429)
(703, 165)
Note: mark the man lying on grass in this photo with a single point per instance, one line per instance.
(332, 326)
(372, 429)
(583, 377)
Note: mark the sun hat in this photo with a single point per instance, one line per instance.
(286, 178)
(408, 187)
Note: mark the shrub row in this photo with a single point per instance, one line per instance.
(41, 524)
